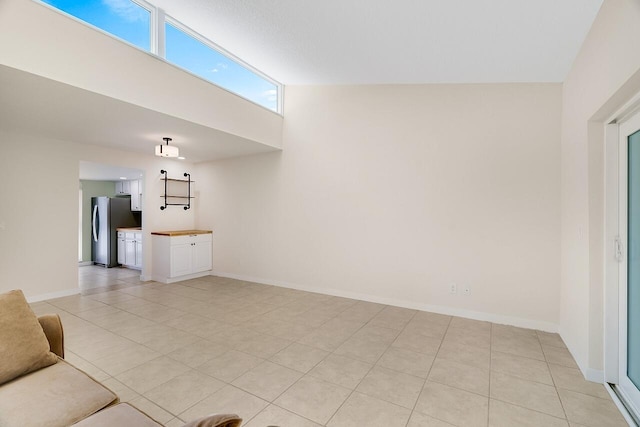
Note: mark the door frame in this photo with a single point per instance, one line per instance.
(611, 265)
(627, 387)
(612, 230)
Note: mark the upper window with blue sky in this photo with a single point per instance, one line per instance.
(201, 59)
(122, 18)
(132, 22)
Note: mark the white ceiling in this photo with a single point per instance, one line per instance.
(401, 41)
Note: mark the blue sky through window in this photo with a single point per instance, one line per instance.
(122, 18)
(131, 22)
(195, 56)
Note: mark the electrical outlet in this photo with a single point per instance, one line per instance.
(453, 288)
(466, 290)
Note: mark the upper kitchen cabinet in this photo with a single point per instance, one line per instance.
(123, 188)
(136, 195)
(134, 189)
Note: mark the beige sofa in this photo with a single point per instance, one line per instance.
(39, 388)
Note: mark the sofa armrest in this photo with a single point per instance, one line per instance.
(216, 420)
(52, 327)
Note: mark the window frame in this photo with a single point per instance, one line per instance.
(157, 47)
(153, 13)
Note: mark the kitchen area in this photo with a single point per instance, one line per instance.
(112, 240)
(116, 220)
(110, 237)
(116, 228)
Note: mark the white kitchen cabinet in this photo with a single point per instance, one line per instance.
(123, 187)
(134, 189)
(130, 249)
(138, 263)
(180, 259)
(136, 195)
(121, 248)
(181, 255)
(202, 256)
(130, 252)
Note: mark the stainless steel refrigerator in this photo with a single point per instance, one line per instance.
(107, 214)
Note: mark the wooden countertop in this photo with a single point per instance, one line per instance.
(180, 232)
(129, 229)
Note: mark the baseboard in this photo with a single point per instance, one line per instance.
(85, 263)
(51, 295)
(168, 280)
(594, 375)
(589, 374)
(451, 311)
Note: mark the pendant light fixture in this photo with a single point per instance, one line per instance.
(166, 150)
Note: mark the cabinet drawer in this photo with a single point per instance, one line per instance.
(121, 234)
(192, 238)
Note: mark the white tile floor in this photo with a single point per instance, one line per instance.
(289, 358)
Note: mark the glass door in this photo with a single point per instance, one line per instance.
(629, 286)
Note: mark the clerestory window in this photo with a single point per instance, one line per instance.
(133, 21)
(125, 19)
(194, 54)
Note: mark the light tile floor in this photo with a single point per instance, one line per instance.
(281, 357)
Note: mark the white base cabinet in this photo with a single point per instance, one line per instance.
(121, 248)
(177, 258)
(130, 249)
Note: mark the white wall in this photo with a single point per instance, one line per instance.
(603, 77)
(39, 209)
(391, 193)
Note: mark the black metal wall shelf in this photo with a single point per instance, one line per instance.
(169, 196)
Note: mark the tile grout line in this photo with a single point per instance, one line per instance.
(555, 387)
(364, 376)
(435, 356)
(305, 374)
(427, 375)
(272, 401)
(333, 353)
(490, 373)
(137, 366)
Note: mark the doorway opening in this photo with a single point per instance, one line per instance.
(110, 231)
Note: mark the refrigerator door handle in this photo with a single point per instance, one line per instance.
(95, 230)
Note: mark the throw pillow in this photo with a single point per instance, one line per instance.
(23, 345)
